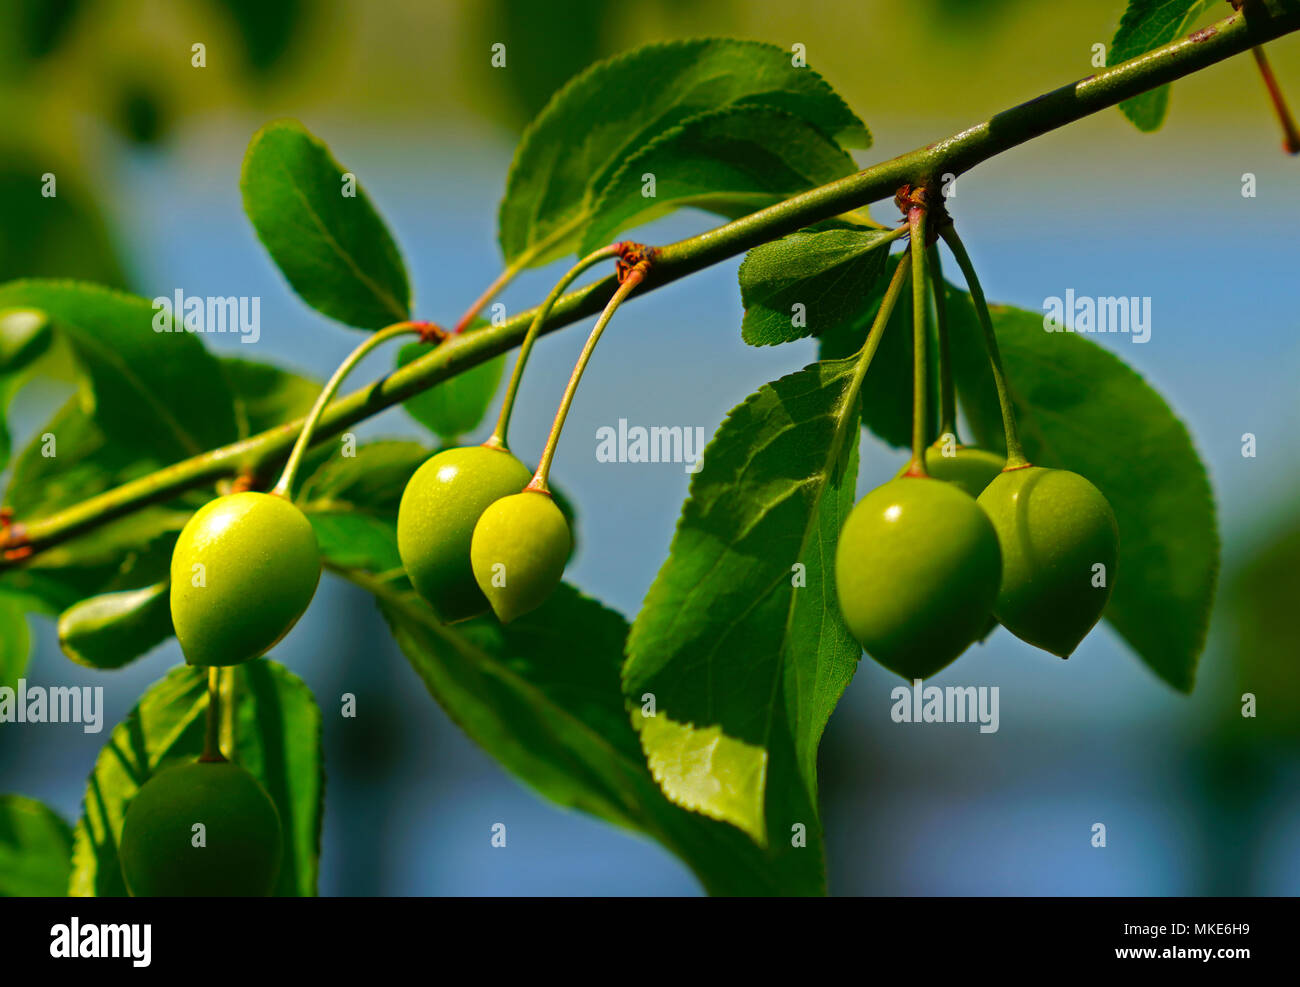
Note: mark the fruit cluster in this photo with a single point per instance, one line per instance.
(931, 561)
(926, 565)
(474, 533)
(476, 530)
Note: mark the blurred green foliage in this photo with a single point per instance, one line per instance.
(546, 45)
(51, 236)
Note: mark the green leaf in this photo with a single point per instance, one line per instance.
(829, 273)
(602, 117)
(456, 406)
(15, 642)
(732, 162)
(35, 849)
(356, 540)
(352, 503)
(67, 460)
(374, 477)
(276, 724)
(124, 553)
(542, 696)
(159, 393)
(113, 629)
(24, 338)
(1082, 408)
(270, 721)
(266, 395)
(1148, 24)
(333, 249)
(740, 640)
(101, 562)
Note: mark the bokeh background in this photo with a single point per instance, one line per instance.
(1195, 799)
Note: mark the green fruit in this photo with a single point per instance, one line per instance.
(435, 523)
(518, 552)
(240, 855)
(1054, 528)
(969, 468)
(917, 572)
(243, 571)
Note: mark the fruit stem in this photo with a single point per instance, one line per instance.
(426, 330)
(947, 390)
(633, 277)
(917, 217)
(874, 335)
(502, 279)
(497, 440)
(1015, 454)
(1290, 134)
(211, 742)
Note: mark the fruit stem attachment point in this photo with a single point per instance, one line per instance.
(1015, 453)
(1290, 134)
(427, 331)
(918, 222)
(211, 741)
(497, 440)
(629, 278)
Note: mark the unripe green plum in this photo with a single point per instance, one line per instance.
(969, 467)
(241, 841)
(243, 570)
(1054, 528)
(435, 523)
(917, 571)
(518, 552)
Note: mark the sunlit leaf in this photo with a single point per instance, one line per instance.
(611, 111)
(740, 641)
(332, 247)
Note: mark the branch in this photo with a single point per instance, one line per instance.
(924, 166)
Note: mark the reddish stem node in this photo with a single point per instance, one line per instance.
(632, 255)
(243, 482)
(430, 332)
(13, 536)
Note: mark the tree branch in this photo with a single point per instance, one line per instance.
(924, 166)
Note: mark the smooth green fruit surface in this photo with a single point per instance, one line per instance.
(240, 855)
(435, 523)
(518, 552)
(917, 571)
(243, 571)
(969, 468)
(1055, 528)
